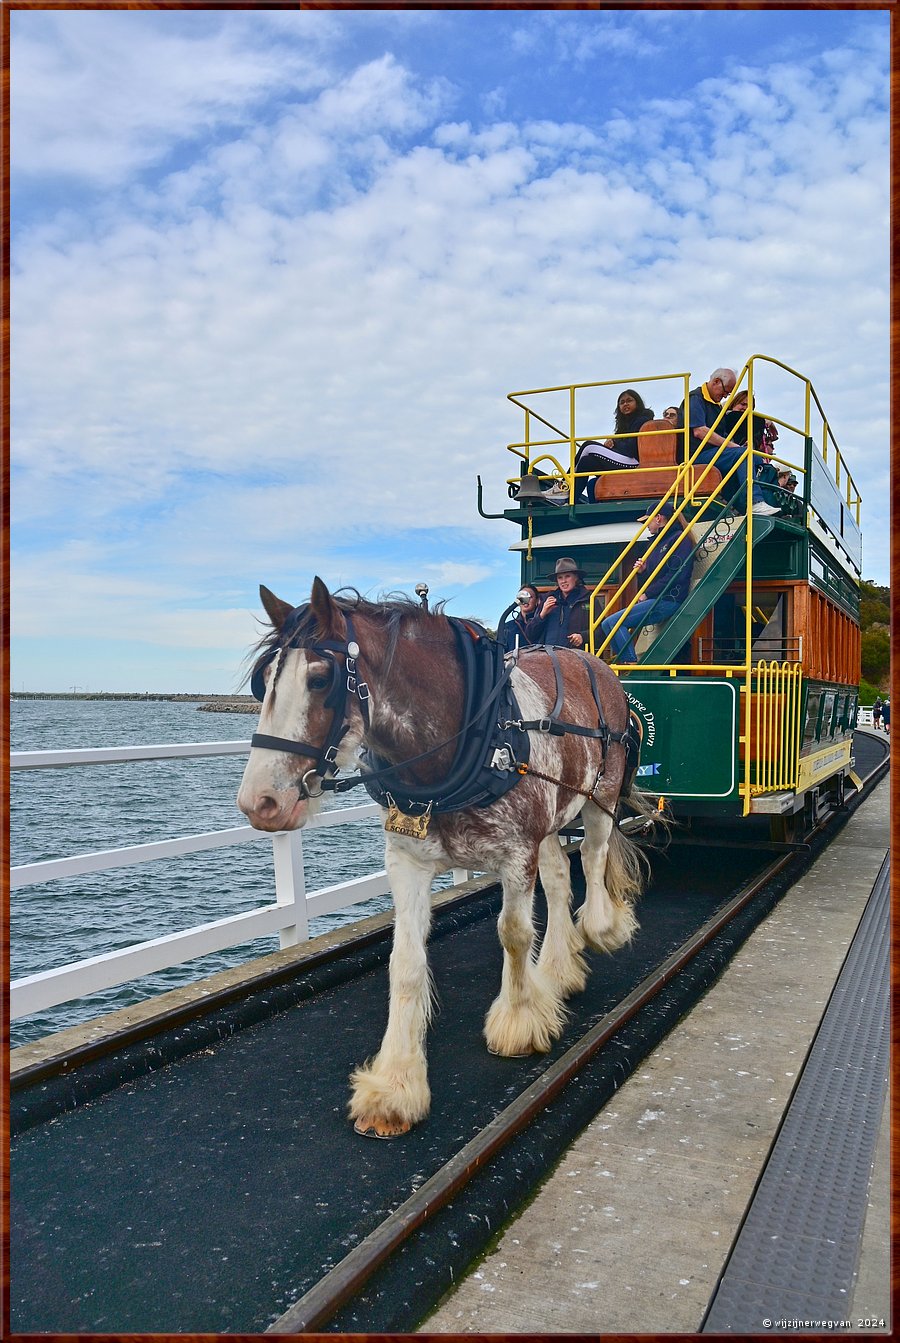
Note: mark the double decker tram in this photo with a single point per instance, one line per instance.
(747, 695)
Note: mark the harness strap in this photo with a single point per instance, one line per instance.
(558, 727)
(449, 793)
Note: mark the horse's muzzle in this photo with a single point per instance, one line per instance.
(266, 811)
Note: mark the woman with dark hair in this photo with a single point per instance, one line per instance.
(517, 630)
(621, 452)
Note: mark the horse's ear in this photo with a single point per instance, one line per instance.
(326, 610)
(277, 610)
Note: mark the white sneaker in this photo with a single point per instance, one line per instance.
(557, 494)
(766, 509)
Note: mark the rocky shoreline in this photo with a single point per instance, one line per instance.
(231, 704)
(205, 703)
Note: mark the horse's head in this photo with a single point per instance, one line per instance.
(309, 725)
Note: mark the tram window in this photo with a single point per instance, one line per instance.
(826, 710)
(768, 627)
(768, 612)
(847, 717)
(813, 711)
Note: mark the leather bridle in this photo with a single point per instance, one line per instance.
(344, 681)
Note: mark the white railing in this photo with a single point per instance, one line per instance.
(289, 916)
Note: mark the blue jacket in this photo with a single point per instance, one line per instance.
(702, 413)
(569, 616)
(676, 545)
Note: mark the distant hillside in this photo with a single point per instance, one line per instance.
(875, 623)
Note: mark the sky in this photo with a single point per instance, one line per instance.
(274, 273)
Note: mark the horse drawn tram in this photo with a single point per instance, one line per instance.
(747, 694)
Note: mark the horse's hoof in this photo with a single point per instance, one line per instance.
(498, 1054)
(381, 1128)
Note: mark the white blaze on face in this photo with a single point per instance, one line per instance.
(269, 794)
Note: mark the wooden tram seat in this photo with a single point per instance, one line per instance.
(658, 455)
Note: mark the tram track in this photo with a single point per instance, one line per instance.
(450, 1183)
(318, 1307)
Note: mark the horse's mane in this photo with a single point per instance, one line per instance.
(388, 613)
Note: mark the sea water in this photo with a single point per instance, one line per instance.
(57, 813)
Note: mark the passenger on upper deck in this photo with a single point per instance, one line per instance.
(673, 579)
(790, 504)
(615, 454)
(516, 630)
(671, 414)
(702, 412)
(562, 618)
(777, 485)
(731, 423)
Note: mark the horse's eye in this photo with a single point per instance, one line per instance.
(318, 683)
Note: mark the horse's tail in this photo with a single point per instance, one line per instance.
(627, 866)
(627, 869)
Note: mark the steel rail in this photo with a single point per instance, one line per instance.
(342, 1282)
(317, 1306)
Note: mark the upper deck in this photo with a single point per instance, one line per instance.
(557, 420)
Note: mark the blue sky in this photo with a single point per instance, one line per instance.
(274, 273)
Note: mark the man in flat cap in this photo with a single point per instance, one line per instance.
(673, 581)
(561, 620)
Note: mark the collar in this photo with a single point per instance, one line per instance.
(706, 394)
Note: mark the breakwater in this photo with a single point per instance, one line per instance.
(211, 703)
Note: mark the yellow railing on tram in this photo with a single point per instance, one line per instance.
(771, 750)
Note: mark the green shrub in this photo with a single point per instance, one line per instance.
(867, 694)
(875, 655)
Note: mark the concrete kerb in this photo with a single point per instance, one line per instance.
(631, 1231)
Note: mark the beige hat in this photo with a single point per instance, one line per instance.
(566, 565)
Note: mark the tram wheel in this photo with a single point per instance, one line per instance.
(785, 829)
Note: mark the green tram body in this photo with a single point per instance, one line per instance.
(703, 750)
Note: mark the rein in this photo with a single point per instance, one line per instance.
(325, 756)
(561, 783)
(486, 764)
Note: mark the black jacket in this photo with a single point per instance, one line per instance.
(569, 616)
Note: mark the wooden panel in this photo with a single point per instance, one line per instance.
(651, 484)
(658, 443)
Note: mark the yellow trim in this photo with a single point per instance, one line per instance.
(824, 763)
(773, 706)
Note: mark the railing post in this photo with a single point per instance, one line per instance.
(290, 885)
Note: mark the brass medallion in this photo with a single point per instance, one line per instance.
(414, 827)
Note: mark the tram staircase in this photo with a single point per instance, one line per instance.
(706, 590)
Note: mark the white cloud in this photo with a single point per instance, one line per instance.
(108, 94)
(301, 337)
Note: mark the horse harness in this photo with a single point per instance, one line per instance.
(492, 751)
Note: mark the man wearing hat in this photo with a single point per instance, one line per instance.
(561, 620)
(777, 485)
(790, 504)
(673, 581)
